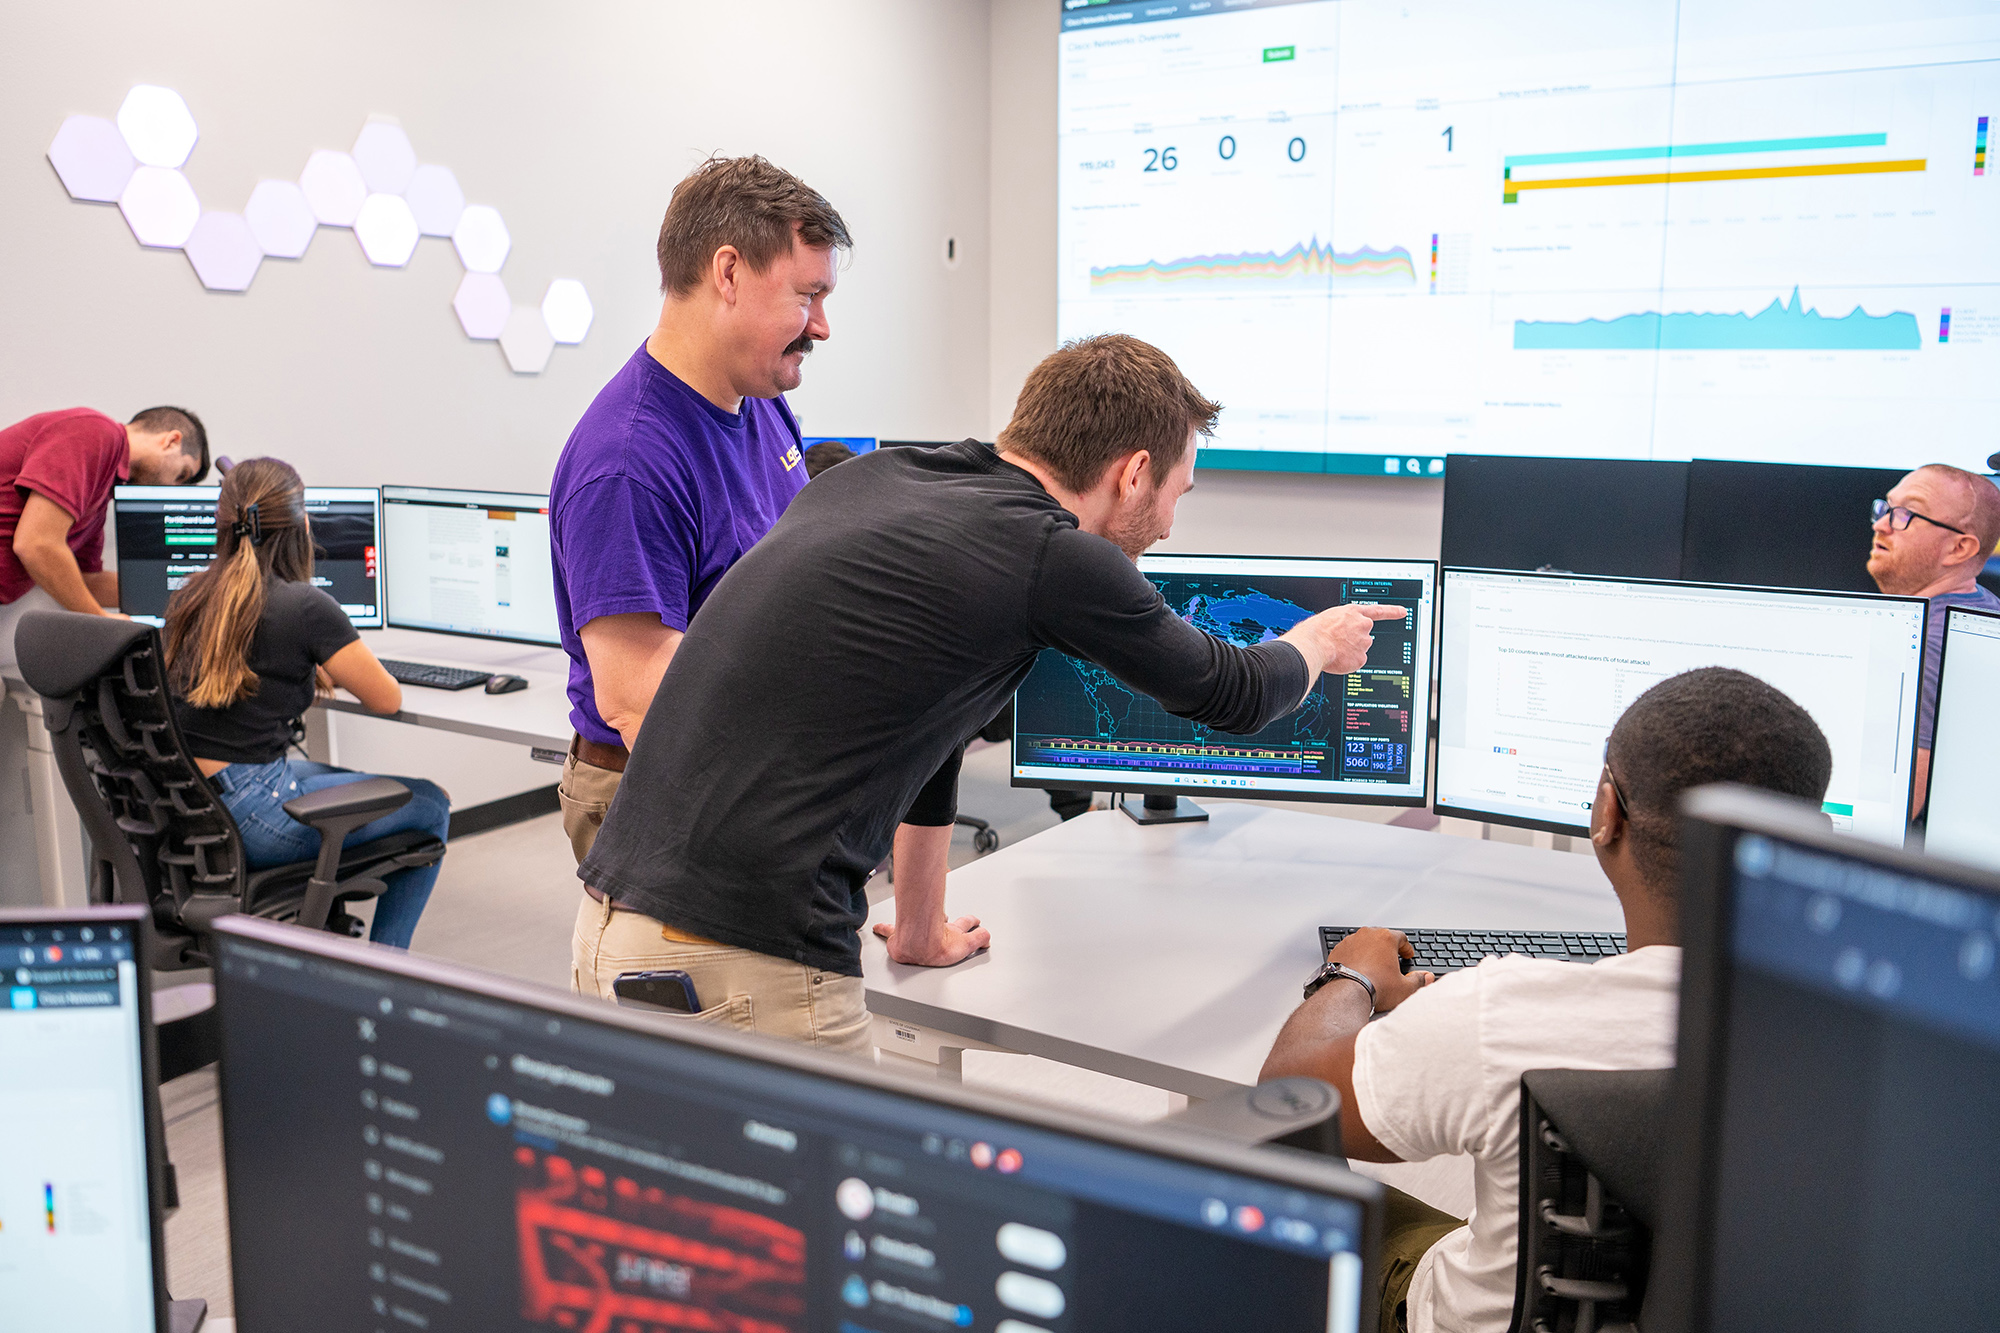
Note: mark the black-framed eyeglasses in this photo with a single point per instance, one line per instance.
(1617, 792)
(1899, 517)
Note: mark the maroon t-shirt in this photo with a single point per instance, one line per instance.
(73, 457)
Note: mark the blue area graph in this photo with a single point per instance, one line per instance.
(1780, 326)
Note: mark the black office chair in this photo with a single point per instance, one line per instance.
(158, 833)
(1589, 1181)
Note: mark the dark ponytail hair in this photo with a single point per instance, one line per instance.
(260, 533)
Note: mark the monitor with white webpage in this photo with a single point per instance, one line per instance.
(1358, 737)
(455, 1149)
(81, 1154)
(1534, 669)
(166, 534)
(470, 562)
(1962, 822)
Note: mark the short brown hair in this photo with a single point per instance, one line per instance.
(1982, 503)
(194, 435)
(1097, 400)
(745, 202)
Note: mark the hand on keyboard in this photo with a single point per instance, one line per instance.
(1383, 957)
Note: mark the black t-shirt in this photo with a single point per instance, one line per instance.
(302, 627)
(824, 690)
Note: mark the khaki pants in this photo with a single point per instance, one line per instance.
(584, 794)
(738, 988)
(1409, 1228)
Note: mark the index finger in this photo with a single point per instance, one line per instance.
(1404, 949)
(1377, 611)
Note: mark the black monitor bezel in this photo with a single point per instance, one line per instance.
(1583, 830)
(1283, 1167)
(213, 493)
(1713, 819)
(1419, 711)
(1937, 704)
(140, 919)
(388, 555)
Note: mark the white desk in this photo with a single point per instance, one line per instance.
(537, 716)
(1172, 955)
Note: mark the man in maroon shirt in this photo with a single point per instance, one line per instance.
(56, 474)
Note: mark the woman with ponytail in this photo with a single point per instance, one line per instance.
(248, 640)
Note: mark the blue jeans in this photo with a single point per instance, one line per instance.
(256, 794)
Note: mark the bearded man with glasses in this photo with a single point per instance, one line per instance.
(1932, 535)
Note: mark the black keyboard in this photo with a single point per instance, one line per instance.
(1444, 951)
(436, 677)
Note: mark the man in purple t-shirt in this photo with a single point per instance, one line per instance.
(687, 456)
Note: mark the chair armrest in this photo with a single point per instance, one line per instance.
(370, 798)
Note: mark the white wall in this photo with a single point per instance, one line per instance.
(575, 121)
(1235, 512)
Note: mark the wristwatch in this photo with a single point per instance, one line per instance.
(1331, 971)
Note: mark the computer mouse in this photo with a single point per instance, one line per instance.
(504, 684)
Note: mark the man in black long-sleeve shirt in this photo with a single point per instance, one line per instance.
(820, 698)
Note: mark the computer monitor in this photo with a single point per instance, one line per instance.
(1780, 525)
(470, 562)
(167, 533)
(1617, 516)
(82, 1156)
(1963, 823)
(1358, 738)
(410, 1143)
(1831, 1162)
(1534, 669)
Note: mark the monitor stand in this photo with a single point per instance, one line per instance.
(1164, 810)
(186, 1316)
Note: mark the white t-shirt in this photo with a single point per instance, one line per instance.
(1442, 1074)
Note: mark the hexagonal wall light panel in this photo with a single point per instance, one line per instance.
(387, 230)
(157, 125)
(224, 252)
(333, 188)
(385, 157)
(435, 199)
(160, 207)
(481, 239)
(92, 159)
(567, 311)
(526, 341)
(280, 219)
(482, 305)
(380, 190)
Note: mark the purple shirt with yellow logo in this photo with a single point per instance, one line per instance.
(657, 493)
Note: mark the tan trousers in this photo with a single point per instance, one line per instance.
(738, 988)
(584, 794)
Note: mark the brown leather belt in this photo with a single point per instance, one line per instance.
(599, 755)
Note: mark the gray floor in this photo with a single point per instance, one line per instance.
(505, 900)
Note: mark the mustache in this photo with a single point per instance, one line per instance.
(802, 344)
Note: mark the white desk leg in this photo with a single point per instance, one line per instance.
(321, 742)
(58, 831)
(922, 1050)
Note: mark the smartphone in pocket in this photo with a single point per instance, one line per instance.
(669, 989)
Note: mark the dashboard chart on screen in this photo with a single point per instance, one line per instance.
(1382, 231)
(1356, 737)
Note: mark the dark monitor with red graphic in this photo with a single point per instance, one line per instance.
(412, 1144)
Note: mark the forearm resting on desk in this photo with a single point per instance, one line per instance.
(628, 657)
(922, 934)
(41, 544)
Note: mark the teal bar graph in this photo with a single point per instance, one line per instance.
(1780, 326)
(1700, 149)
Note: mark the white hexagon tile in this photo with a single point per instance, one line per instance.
(379, 190)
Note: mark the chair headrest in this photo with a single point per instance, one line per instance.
(60, 652)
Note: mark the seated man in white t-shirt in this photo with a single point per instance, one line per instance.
(1442, 1073)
